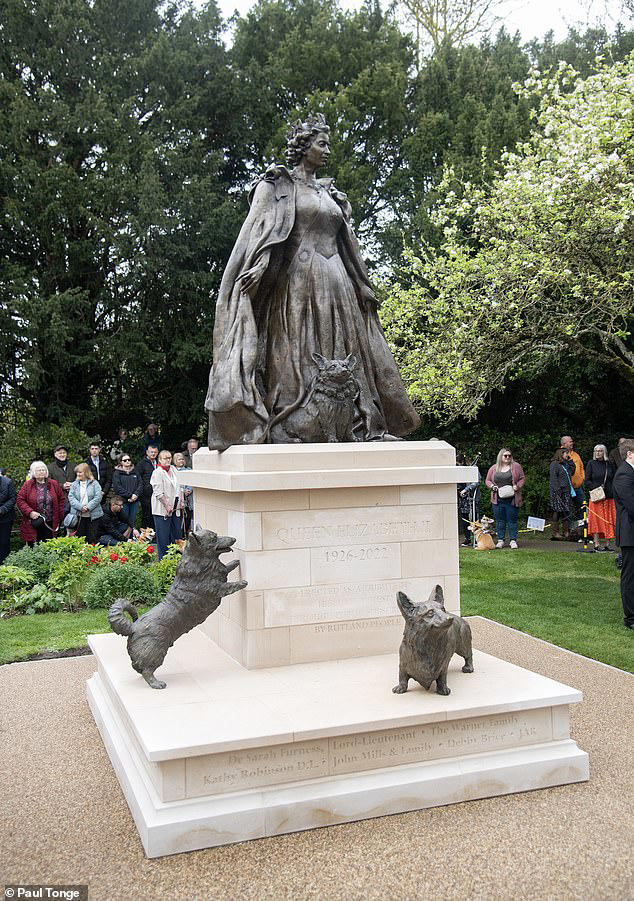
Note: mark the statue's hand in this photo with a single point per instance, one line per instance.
(369, 296)
(250, 279)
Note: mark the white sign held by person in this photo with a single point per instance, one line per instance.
(534, 522)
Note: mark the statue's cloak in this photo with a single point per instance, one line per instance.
(235, 398)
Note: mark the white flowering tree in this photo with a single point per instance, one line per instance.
(539, 265)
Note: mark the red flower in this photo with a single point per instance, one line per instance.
(150, 548)
(94, 559)
(114, 557)
(124, 559)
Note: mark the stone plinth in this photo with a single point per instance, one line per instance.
(225, 754)
(326, 536)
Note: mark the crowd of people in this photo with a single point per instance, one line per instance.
(604, 486)
(571, 486)
(99, 498)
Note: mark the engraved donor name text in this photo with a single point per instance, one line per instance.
(261, 766)
(277, 764)
(352, 753)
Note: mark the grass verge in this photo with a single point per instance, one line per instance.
(572, 600)
(21, 636)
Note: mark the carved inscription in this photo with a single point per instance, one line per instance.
(359, 625)
(351, 600)
(354, 563)
(230, 771)
(372, 750)
(360, 525)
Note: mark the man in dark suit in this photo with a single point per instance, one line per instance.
(145, 468)
(623, 487)
(101, 468)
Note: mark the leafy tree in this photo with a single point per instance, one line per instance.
(293, 56)
(581, 49)
(542, 266)
(464, 114)
(116, 123)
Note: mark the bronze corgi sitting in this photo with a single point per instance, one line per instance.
(199, 585)
(431, 638)
(326, 413)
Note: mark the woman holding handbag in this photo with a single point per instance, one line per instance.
(41, 503)
(84, 497)
(601, 510)
(506, 479)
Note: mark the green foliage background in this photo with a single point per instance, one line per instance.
(129, 133)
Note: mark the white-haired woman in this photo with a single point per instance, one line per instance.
(41, 502)
(506, 479)
(601, 512)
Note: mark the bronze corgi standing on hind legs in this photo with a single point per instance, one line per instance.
(199, 585)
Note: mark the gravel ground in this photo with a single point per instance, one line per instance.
(64, 818)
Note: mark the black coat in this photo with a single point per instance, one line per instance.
(145, 469)
(595, 473)
(623, 486)
(7, 499)
(126, 484)
(105, 472)
(112, 523)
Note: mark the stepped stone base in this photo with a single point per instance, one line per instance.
(226, 754)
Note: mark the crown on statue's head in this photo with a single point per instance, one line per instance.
(313, 122)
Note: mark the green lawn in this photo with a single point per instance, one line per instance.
(21, 636)
(569, 599)
(24, 635)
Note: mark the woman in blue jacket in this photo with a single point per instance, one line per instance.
(84, 497)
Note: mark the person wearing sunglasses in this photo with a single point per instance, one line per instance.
(126, 483)
(506, 479)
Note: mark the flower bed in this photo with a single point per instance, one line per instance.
(66, 574)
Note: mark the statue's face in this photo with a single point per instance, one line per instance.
(319, 151)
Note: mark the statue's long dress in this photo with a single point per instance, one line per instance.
(314, 309)
(314, 296)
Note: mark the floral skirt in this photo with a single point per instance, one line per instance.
(560, 500)
(602, 518)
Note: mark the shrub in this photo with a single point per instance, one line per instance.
(14, 579)
(129, 580)
(68, 578)
(38, 599)
(164, 570)
(39, 560)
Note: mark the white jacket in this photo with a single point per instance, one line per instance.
(164, 484)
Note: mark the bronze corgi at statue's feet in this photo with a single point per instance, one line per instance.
(327, 412)
(199, 585)
(431, 638)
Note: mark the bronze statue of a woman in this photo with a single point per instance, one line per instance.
(296, 294)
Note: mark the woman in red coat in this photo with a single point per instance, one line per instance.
(41, 503)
